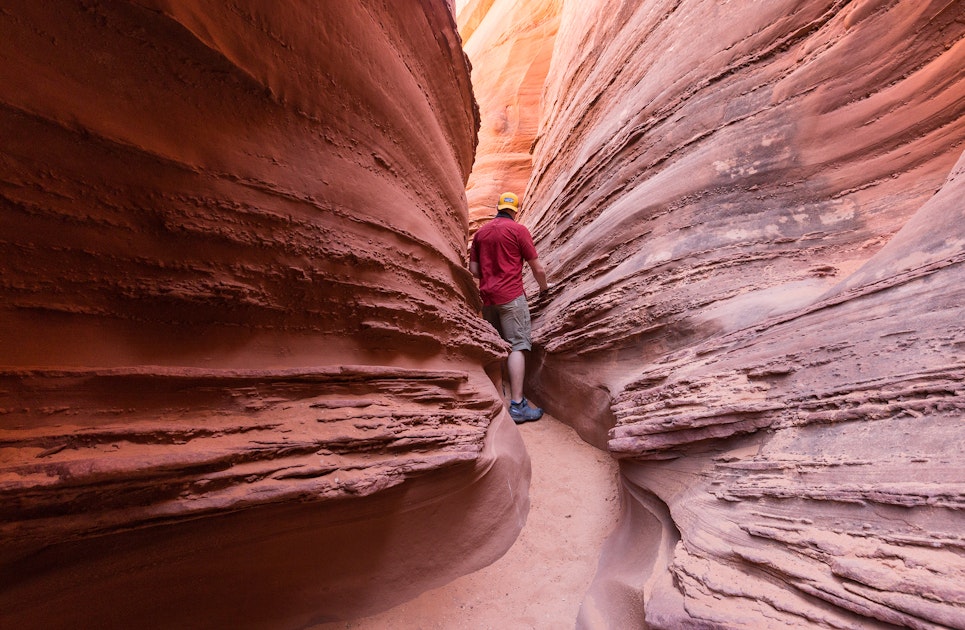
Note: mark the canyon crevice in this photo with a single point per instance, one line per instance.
(243, 378)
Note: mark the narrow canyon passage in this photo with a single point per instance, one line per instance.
(243, 378)
(540, 582)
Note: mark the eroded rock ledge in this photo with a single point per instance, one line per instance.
(126, 448)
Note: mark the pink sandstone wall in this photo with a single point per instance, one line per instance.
(241, 368)
(754, 217)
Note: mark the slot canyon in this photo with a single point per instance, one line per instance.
(244, 381)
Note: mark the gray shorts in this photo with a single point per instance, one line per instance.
(511, 320)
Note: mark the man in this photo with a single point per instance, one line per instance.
(496, 258)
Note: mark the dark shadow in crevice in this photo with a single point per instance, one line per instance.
(568, 392)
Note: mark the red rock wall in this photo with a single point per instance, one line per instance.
(241, 371)
(748, 211)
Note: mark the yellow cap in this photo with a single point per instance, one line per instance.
(508, 201)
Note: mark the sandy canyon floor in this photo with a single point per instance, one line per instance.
(540, 582)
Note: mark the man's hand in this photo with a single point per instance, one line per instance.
(542, 298)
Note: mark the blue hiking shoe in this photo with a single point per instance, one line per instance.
(521, 412)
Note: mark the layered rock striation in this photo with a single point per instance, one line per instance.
(242, 377)
(753, 216)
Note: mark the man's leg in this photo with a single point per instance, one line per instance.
(517, 372)
(515, 323)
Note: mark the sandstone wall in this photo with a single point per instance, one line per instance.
(748, 212)
(241, 368)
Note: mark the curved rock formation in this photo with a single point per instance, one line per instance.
(243, 378)
(759, 304)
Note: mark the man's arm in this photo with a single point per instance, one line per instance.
(539, 273)
(474, 268)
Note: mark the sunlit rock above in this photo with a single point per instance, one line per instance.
(510, 45)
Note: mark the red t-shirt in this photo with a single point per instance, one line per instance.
(500, 247)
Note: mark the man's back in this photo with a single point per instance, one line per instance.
(500, 247)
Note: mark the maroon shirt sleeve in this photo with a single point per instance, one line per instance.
(526, 247)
